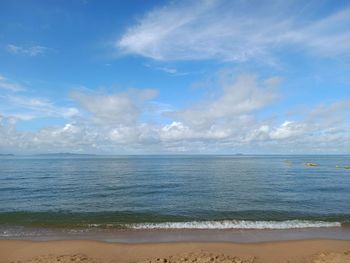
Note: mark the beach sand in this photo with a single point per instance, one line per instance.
(317, 251)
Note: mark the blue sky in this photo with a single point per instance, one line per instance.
(138, 77)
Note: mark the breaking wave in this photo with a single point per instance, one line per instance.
(236, 224)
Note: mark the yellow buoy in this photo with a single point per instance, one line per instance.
(311, 164)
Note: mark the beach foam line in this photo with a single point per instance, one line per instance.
(236, 224)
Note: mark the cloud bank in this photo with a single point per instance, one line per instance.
(225, 120)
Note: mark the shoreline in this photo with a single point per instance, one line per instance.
(134, 236)
(96, 251)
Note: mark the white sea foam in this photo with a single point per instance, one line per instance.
(236, 224)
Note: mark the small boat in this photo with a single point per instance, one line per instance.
(311, 164)
(346, 167)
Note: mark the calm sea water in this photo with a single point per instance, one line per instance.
(174, 191)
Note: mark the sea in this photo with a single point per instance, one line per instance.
(118, 197)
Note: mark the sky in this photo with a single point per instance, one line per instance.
(175, 77)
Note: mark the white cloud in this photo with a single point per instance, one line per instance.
(240, 96)
(175, 131)
(169, 70)
(29, 107)
(120, 108)
(31, 51)
(329, 36)
(23, 107)
(10, 85)
(236, 30)
(287, 130)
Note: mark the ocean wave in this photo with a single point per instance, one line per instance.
(236, 224)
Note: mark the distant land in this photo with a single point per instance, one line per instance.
(6, 154)
(64, 154)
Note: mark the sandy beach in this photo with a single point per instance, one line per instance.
(94, 251)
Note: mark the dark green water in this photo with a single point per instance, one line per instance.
(215, 192)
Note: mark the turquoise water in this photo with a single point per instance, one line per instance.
(206, 192)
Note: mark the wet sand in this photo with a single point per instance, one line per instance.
(174, 235)
(317, 251)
